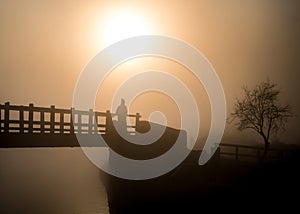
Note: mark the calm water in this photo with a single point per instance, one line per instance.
(49, 180)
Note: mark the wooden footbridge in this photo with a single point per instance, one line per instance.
(31, 126)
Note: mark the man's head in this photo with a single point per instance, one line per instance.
(122, 101)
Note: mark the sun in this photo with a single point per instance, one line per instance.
(123, 25)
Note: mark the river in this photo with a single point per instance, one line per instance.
(50, 180)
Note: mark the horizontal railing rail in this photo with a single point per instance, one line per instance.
(240, 152)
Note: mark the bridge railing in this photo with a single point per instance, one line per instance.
(42, 120)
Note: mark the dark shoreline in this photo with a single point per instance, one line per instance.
(216, 185)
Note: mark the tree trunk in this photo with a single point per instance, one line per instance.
(266, 149)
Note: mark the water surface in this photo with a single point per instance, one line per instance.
(49, 180)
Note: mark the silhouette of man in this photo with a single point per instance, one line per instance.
(122, 114)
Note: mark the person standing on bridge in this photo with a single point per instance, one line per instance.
(122, 115)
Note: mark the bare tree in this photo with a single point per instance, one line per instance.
(260, 110)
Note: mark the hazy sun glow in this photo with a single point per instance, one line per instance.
(123, 25)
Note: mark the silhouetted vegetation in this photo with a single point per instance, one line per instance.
(261, 111)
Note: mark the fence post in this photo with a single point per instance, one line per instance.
(279, 155)
(61, 123)
(21, 119)
(91, 125)
(42, 122)
(236, 152)
(137, 120)
(218, 152)
(79, 122)
(108, 123)
(6, 117)
(52, 119)
(96, 123)
(0, 119)
(71, 120)
(30, 118)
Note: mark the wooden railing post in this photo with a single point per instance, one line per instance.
(137, 121)
(21, 119)
(42, 122)
(91, 124)
(96, 124)
(1, 120)
(71, 120)
(236, 152)
(6, 117)
(108, 123)
(61, 123)
(30, 118)
(79, 123)
(52, 119)
(218, 151)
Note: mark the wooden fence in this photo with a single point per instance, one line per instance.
(244, 152)
(20, 122)
(43, 120)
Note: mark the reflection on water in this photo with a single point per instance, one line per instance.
(49, 180)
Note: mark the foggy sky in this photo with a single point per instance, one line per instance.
(46, 44)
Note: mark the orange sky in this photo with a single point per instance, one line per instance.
(46, 44)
